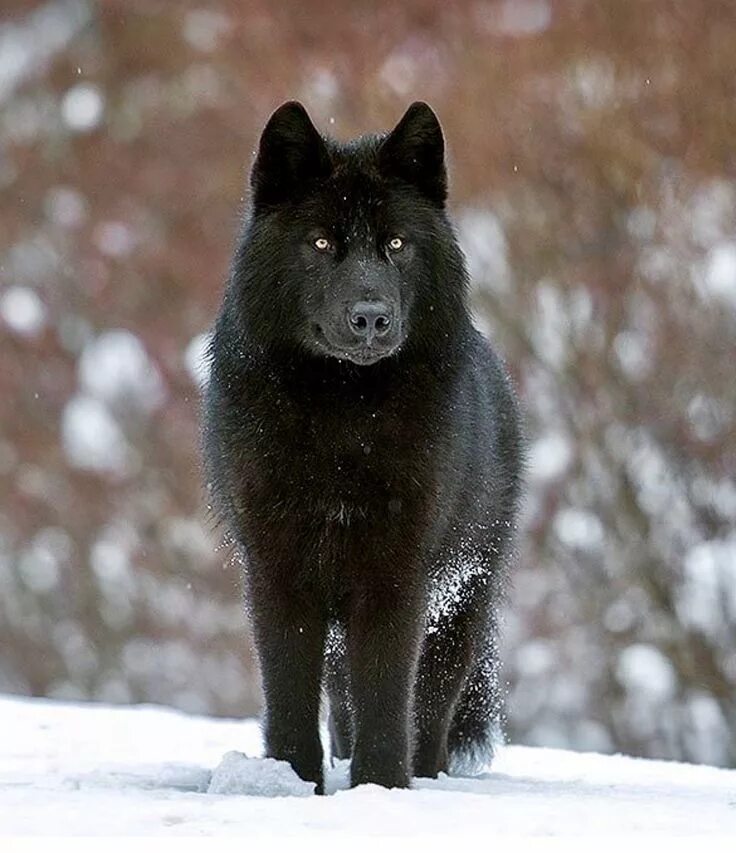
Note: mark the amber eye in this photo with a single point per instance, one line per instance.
(396, 244)
(322, 244)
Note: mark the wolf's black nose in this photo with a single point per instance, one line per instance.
(370, 319)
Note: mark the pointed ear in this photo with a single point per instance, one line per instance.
(291, 154)
(414, 151)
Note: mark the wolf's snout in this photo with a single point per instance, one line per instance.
(370, 319)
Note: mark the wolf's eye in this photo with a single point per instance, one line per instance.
(396, 244)
(321, 244)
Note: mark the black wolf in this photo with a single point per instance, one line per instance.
(362, 446)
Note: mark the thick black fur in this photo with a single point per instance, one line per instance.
(371, 484)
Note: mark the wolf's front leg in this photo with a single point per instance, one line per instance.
(384, 638)
(290, 634)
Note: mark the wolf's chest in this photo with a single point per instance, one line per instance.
(339, 453)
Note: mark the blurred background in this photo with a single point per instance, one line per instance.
(592, 157)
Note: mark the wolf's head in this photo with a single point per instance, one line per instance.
(348, 252)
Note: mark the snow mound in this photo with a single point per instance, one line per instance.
(257, 777)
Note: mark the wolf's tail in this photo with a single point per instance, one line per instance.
(476, 728)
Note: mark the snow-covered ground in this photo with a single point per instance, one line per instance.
(98, 770)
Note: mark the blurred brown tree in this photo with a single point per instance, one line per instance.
(594, 186)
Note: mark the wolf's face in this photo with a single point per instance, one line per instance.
(352, 234)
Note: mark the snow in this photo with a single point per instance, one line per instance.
(720, 273)
(82, 107)
(38, 564)
(66, 206)
(196, 360)
(646, 672)
(203, 29)
(26, 48)
(22, 310)
(515, 17)
(709, 591)
(115, 368)
(486, 249)
(99, 770)
(398, 73)
(710, 211)
(633, 353)
(578, 528)
(114, 239)
(91, 438)
(321, 87)
(549, 457)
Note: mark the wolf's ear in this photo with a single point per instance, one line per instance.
(414, 151)
(291, 154)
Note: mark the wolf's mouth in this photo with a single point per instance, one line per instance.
(364, 355)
